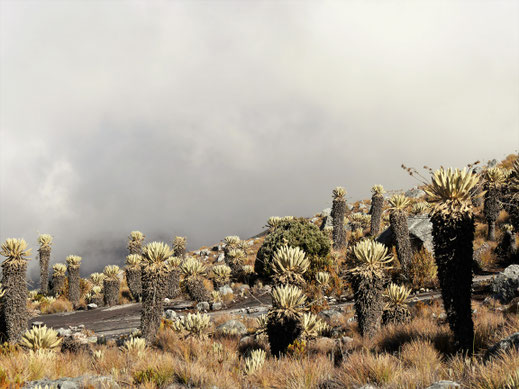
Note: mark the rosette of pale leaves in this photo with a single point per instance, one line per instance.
(154, 255)
(216, 296)
(173, 262)
(2, 291)
(339, 192)
(73, 260)
(15, 250)
(312, 326)
(45, 240)
(247, 269)
(450, 192)
(398, 202)
(134, 346)
(40, 338)
(112, 272)
(192, 268)
(97, 278)
(136, 236)
(322, 278)
(133, 260)
(373, 258)
(236, 256)
(377, 190)
(179, 243)
(193, 324)
(360, 220)
(289, 264)
(255, 361)
(232, 241)
(420, 208)
(495, 176)
(396, 295)
(59, 269)
(287, 301)
(221, 273)
(261, 323)
(508, 227)
(273, 221)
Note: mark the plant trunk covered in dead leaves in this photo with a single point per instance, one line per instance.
(44, 269)
(153, 289)
(111, 291)
(134, 281)
(339, 234)
(74, 291)
(377, 204)
(369, 302)
(453, 252)
(398, 220)
(13, 306)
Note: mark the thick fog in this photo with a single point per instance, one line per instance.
(205, 118)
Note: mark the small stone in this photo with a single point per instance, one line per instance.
(170, 314)
(91, 306)
(224, 290)
(37, 323)
(232, 327)
(63, 332)
(504, 345)
(444, 385)
(216, 306)
(167, 301)
(203, 306)
(221, 257)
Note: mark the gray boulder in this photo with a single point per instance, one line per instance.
(504, 345)
(420, 232)
(170, 314)
(97, 382)
(414, 193)
(216, 306)
(506, 284)
(444, 385)
(203, 306)
(224, 290)
(232, 327)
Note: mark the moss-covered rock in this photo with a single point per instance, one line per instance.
(296, 233)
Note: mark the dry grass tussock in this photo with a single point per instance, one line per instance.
(411, 355)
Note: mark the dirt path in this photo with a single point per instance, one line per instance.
(122, 319)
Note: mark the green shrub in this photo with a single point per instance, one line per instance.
(295, 233)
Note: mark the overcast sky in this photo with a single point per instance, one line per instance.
(205, 118)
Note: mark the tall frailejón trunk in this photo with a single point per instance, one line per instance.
(74, 292)
(339, 233)
(453, 250)
(44, 253)
(134, 281)
(13, 308)
(111, 291)
(153, 290)
(398, 220)
(377, 204)
(491, 210)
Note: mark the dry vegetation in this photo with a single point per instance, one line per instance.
(411, 355)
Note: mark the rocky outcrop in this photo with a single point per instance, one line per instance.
(506, 284)
(232, 327)
(504, 345)
(85, 381)
(420, 232)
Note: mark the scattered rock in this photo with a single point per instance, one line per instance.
(224, 290)
(167, 301)
(504, 345)
(330, 314)
(232, 327)
(216, 306)
(91, 306)
(506, 284)
(203, 306)
(420, 232)
(414, 193)
(170, 314)
(89, 381)
(64, 332)
(444, 385)
(37, 323)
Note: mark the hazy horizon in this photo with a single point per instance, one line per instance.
(202, 119)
